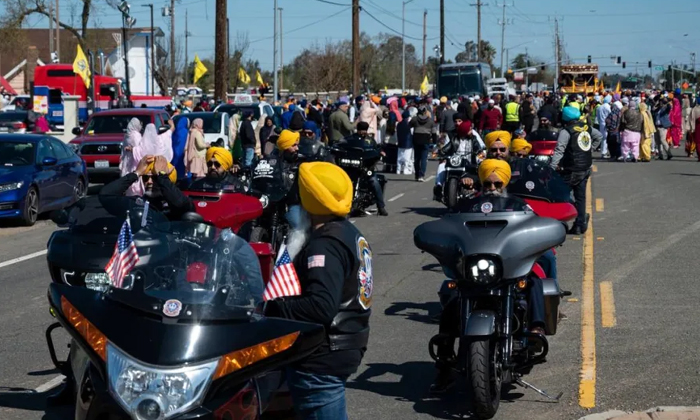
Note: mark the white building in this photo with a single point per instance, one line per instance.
(141, 76)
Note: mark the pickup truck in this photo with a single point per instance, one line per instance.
(99, 143)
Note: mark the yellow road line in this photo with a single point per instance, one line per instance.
(586, 388)
(599, 205)
(607, 305)
(594, 168)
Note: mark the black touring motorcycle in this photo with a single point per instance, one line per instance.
(487, 249)
(358, 160)
(182, 336)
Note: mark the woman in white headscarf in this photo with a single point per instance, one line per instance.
(155, 144)
(196, 150)
(132, 154)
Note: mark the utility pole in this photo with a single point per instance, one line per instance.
(503, 23)
(58, 33)
(557, 55)
(356, 47)
(478, 28)
(220, 59)
(172, 48)
(403, 44)
(153, 54)
(228, 50)
(187, 57)
(51, 34)
(527, 70)
(281, 52)
(425, 36)
(442, 31)
(274, 58)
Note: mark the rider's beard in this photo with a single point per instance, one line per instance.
(493, 193)
(299, 236)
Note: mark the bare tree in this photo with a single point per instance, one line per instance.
(240, 47)
(166, 76)
(17, 12)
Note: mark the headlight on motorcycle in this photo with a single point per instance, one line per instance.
(97, 281)
(542, 158)
(455, 160)
(152, 393)
(483, 271)
(11, 186)
(355, 163)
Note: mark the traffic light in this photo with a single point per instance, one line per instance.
(619, 59)
(543, 67)
(589, 59)
(669, 67)
(624, 64)
(649, 63)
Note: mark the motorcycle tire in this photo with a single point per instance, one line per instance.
(451, 193)
(484, 378)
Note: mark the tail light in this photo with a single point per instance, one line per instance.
(19, 126)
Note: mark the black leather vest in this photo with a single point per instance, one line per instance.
(350, 327)
(578, 156)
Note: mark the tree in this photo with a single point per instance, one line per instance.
(240, 48)
(469, 55)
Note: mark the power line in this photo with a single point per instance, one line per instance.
(391, 14)
(391, 29)
(305, 26)
(334, 3)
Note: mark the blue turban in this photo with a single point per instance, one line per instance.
(570, 114)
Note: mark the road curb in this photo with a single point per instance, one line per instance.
(651, 414)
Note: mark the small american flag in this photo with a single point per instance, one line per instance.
(125, 256)
(284, 280)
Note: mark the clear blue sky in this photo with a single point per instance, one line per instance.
(637, 30)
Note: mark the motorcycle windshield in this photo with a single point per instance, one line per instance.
(486, 205)
(532, 179)
(228, 183)
(106, 214)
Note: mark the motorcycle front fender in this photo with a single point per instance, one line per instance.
(480, 323)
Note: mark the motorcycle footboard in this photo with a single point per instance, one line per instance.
(62, 366)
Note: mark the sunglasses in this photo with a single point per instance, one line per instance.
(489, 184)
(214, 164)
(498, 149)
(147, 178)
(308, 133)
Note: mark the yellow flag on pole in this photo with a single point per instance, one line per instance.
(424, 86)
(259, 78)
(243, 76)
(81, 66)
(617, 88)
(199, 69)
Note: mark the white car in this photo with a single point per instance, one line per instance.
(215, 126)
(257, 109)
(19, 103)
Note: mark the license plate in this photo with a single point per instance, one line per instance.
(57, 113)
(101, 164)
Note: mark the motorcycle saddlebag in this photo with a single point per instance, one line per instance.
(552, 297)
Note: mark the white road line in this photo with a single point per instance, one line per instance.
(353, 221)
(53, 383)
(429, 178)
(396, 197)
(24, 258)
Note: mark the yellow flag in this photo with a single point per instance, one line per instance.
(243, 76)
(617, 88)
(424, 86)
(199, 69)
(259, 78)
(81, 67)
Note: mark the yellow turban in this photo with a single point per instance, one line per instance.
(222, 156)
(287, 139)
(172, 176)
(520, 144)
(494, 136)
(490, 166)
(325, 189)
(443, 99)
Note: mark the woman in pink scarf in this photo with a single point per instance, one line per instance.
(368, 114)
(131, 154)
(676, 131)
(196, 149)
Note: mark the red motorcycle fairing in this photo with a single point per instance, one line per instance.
(564, 212)
(266, 256)
(226, 210)
(543, 148)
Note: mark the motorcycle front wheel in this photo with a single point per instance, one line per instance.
(451, 193)
(484, 377)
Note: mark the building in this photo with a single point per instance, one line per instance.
(104, 43)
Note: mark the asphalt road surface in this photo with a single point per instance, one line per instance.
(630, 341)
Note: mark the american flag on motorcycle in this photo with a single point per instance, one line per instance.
(124, 257)
(284, 280)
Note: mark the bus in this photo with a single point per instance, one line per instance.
(53, 81)
(465, 79)
(630, 83)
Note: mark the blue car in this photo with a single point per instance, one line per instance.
(38, 173)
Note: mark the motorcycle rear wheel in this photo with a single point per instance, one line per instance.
(484, 377)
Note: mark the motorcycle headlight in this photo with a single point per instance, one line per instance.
(542, 158)
(455, 160)
(11, 186)
(97, 281)
(264, 200)
(154, 393)
(483, 271)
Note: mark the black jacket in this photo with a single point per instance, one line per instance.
(247, 134)
(168, 199)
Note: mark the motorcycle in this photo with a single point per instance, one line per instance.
(543, 144)
(488, 249)
(456, 165)
(182, 336)
(358, 160)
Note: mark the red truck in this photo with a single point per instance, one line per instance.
(99, 143)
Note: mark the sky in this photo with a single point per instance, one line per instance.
(636, 30)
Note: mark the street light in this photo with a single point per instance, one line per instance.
(127, 21)
(403, 46)
(153, 54)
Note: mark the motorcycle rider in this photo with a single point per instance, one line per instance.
(158, 177)
(520, 148)
(369, 142)
(573, 157)
(494, 176)
(334, 269)
(467, 143)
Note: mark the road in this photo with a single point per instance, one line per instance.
(639, 338)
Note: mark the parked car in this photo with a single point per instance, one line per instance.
(15, 122)
(19, 103)
(239, 108)
(38, 173)
(215, 126)
(99, 143)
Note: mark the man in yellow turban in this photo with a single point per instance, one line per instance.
(494, 175)
(520, 148)
(219, 162)
(497, 144)
(288, 140)
(335, 288)
(158, 178)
